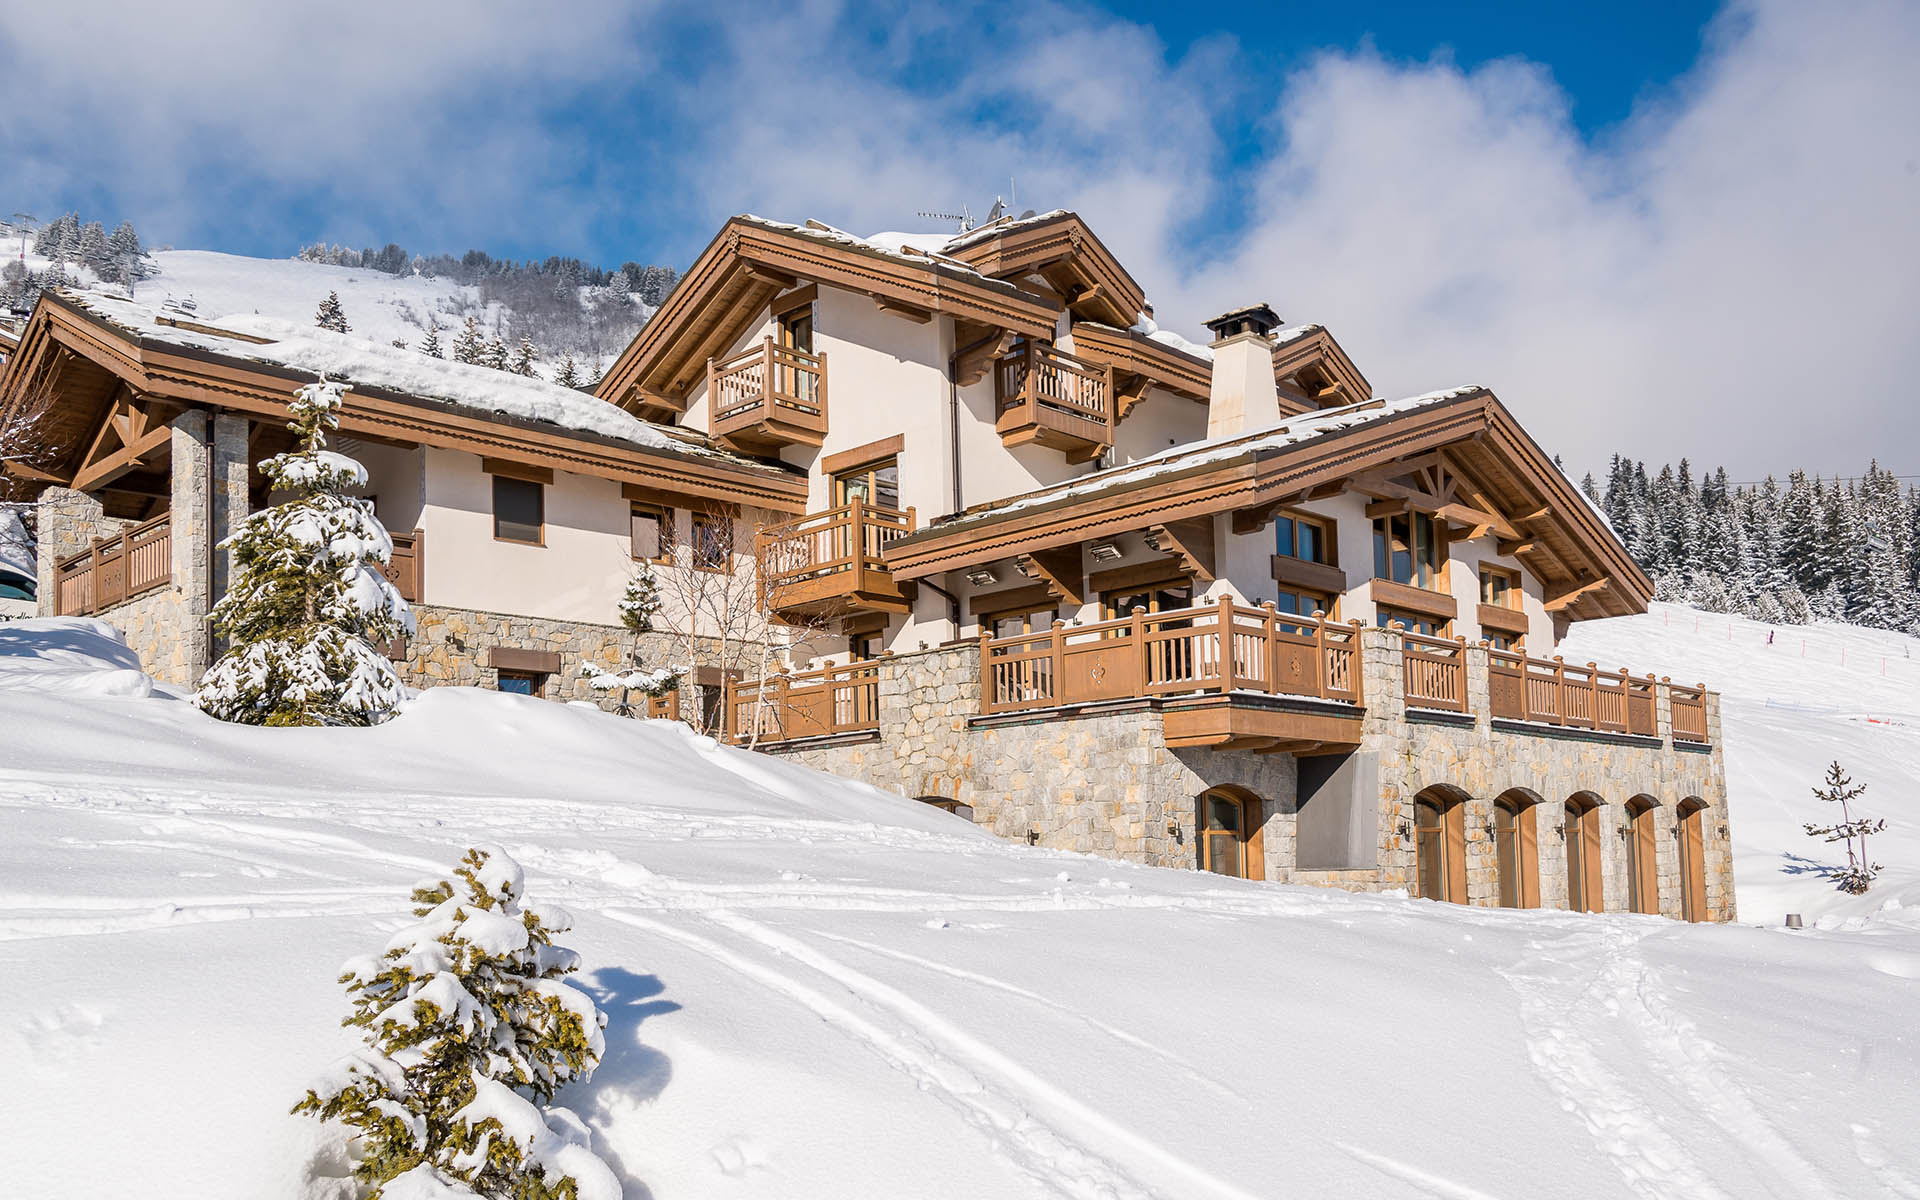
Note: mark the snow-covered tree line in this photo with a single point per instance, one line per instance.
(1809, 549)
(69, 245)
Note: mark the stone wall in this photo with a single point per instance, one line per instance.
(68, 522)
(1101, 779)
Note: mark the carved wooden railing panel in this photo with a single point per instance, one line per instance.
(1054, 396)
(407, 569)
(806, 704)
(1213, 648)
(114, 570)
(1689, 714)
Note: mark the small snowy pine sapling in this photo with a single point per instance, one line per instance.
(494, 353)
(309, 601)
(1842, 790)
(639, 605)
(523, 357)
(430, 344)
(469, 1027)
(569, 374)
(331, 315)
(468, 347)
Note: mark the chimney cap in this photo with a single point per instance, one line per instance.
(1254, 318)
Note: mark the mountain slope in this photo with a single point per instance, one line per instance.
(817, 989)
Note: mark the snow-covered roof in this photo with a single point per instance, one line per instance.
(919, 250)
(1289, 432)
(485, 390)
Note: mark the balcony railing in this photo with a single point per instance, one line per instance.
(768, 397)
(116, 569)
(1051, 398)
(1217, 648)
(1551, 692)
(1436, 672)
(1689, 714)
(831, 561)
(807, 704)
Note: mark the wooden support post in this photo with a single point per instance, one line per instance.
(1059, 648)
(1229, 677)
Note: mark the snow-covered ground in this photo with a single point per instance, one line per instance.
(1810, 696)
(816, 989)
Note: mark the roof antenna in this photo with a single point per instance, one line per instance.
(963, 217)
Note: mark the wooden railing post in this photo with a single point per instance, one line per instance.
(1229, 673)
(769, 369)
(1142, 657)
(93, 576)
(1271, 650)
(857, 543)
(1559, 690)
(986, 669)
(1056, 685)
(729, 702)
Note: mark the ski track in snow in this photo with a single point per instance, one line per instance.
(1051, 1135)
(1577, 1000)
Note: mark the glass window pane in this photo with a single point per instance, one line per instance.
(646, 533)
(1289, 603)
(1311, 540)
(1380, 550)
(886, 486)
(1283, 538)
(518, 509)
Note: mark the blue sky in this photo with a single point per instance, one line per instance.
(1695, 220)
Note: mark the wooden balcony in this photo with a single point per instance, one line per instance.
(406, 570)
(830, 563)
(768, 397)
(1048, 397)
(1553, 693)
(834, 700)
(1689, 713)
(115, 570)
(1220, 650)
(1435, 671)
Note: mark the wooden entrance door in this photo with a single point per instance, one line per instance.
(1515, 825)
(1643, 871)
(1693, 861)
(1585, 883)
(1440, 847)
(1230, 835)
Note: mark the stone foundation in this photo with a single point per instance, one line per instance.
(450, 645)
(1102, 780)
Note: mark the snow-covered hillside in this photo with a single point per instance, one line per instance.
(1795, 698)
(815, 989)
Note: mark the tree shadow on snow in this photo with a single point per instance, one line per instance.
(631, 1073)
(1800, 864)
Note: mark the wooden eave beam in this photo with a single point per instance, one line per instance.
(911, 312)
(1567, 598)
(121, 461)
(976, 360)
(1513, 547)
(1059, 568)
(20, 470)
(1481, 521)
(779, 280)
(1190, 542)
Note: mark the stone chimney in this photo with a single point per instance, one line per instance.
(1243, 395)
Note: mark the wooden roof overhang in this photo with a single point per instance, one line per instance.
(1557, 533)
(167, 372)
(751, 261)
(1139, 360)
(1062, 250)
(1334, 378)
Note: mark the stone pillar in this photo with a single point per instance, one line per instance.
(1479, 689)
(1383, 678)
(192, 435)
(230, 499)
(67, 522)
(1663, 714)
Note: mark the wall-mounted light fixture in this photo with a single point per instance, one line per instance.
(982, 577)
(1104, 551)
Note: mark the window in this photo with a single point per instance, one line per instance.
(1406, 548)
(1499, 587)
(1304, 604)
(711, 697)
(877, 484)
(712, 541)
(1308, 539)
(1512, 643)
(522, 683)
(1020, 622)
(1224, 834)
(519, 511)
(796, 329)
(1643, 871)
(863, 646)
(1440, 846)
(1415, 623)
(652, 533)
(1119, 605)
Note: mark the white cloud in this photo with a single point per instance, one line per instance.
(1731, 275)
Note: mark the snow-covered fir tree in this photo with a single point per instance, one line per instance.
(331, 315)
(568, 375)
(430, 344)
(1854, 831)
(469, 346)
(1815, 549)
(309, 602)
(494, 353)
(524, 357)
(639, 605)
(470, 1027)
